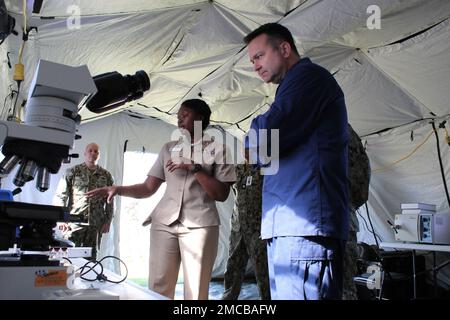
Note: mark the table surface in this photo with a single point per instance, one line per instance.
(126, 290)
(416, 246)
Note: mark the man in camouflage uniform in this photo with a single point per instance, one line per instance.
(95, 214)
(245, 240)
(358, 184)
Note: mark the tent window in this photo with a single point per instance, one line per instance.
(134, 238)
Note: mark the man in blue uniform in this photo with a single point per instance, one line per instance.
(305, 204)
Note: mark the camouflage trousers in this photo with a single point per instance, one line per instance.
(88, 236)
(245, 245)
(350, 268)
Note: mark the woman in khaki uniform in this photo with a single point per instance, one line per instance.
(185, 223)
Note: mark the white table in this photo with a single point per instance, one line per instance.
(126, 290)
(420, 247)
(21, 282)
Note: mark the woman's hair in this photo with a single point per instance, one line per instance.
(201, 108)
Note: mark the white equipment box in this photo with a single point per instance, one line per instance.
(423, 228)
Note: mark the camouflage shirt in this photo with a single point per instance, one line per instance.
(358, 176)
(80, 179)
(248, 191)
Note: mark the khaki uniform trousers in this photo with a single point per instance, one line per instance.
(195, 248)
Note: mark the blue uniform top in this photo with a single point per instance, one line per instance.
(308, 195)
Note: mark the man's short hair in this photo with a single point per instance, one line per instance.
(274, 31)
(92, 144)
(201, 108)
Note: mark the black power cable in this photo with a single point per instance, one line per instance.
(366, 225)
(100, 276)
(440, 163)
(371, 226)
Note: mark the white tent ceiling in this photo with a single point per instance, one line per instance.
(396, 77)
(195, 47)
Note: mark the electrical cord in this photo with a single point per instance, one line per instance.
(17, 97)
(393, 227)
(5, 110)
(100, 276)
(90, 266)
(67, 259)
(444, 180)
(367, 226)
(371, 225)
(389, 166)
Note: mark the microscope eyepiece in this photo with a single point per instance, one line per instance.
(115, 90)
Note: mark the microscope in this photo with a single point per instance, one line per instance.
(38, 146)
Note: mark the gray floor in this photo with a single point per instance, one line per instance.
(249, 291)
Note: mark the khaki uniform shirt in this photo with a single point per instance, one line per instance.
(184, 199)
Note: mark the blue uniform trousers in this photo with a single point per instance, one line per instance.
(305, 268)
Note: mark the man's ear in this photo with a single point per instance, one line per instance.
(286, 49)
